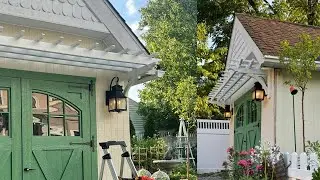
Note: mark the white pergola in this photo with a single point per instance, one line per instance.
(237, 73)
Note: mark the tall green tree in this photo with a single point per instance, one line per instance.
(172, 36)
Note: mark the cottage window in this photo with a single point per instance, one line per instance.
(54, 117)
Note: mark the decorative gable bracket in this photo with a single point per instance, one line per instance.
(257, 74)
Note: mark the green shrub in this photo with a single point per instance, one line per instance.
(316, 174)
(180, 172)
(148, 144)
(314, 147)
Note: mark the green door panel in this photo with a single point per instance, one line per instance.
(10, 129)
(247, 133)
(50, 139)
(240, 144)
(55, 154)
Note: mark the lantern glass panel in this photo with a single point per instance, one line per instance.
(259, 94)
(227, 114)
(112, 104)
(121, 103)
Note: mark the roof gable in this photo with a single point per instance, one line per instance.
(269, 33)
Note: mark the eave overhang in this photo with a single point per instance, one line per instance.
(137, 66)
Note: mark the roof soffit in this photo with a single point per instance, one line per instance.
(90, 18)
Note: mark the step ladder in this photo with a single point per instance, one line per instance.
(184, 146)
(107, 157)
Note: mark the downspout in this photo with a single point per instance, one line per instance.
(275, 71)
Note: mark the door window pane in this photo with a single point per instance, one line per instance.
(4, 100)
(39, 103)
(240, 116)
(4, 124)
(72, 126)
(40, 125)
(55, 106)
(69, 110)
(54, 117)
(56, 126)
(252, 112)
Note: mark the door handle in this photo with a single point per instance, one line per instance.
(28, 169)
(90, 143)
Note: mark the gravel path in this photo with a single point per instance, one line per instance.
(209, 177)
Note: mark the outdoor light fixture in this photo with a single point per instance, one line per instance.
(258, 93)
(115, 98)
(227, 112)
(293, 90)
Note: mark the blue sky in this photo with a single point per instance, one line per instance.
(129, 10)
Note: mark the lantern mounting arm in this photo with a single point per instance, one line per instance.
(113, 80)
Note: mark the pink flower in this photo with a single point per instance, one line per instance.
(230, 149)
(249, 162)
(252, 151)
(259, 167)
(243, 163)
(249, 172)
(243, 153)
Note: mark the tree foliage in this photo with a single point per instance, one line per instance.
(219, 21)
(172, 36)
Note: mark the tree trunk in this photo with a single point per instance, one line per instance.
(302, 112)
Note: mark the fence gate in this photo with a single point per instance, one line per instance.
(212, 143)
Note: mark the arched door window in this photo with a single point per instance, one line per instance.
(252, 112)
(54, 117)
(240, 116)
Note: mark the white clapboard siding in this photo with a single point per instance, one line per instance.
(301, 166)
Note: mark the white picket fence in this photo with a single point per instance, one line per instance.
(301, 166)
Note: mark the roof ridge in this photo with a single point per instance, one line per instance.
(277, 20)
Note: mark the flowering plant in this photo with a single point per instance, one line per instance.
(255, 163)
(145, 178)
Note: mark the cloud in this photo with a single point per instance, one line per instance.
(131, 7)
(135, 28)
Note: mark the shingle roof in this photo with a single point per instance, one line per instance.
(268, 33)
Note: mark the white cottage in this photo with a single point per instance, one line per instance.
(57, 60)
(254, 57)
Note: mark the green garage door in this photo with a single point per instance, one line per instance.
(45, 130)
(247, 123)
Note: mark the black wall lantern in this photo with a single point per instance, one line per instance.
(258, 93)
(227, 112)
(115, 98)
